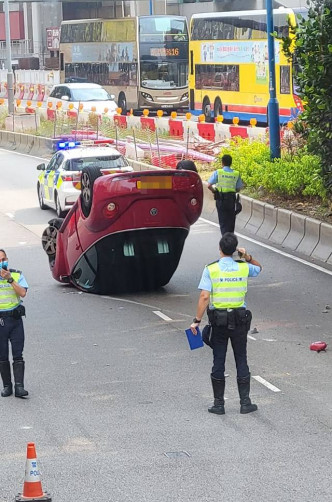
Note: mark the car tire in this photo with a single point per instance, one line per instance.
(60, 213)
(40, 197)
(89, 176)
(49, 237)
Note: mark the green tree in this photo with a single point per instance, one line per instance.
(313, 60)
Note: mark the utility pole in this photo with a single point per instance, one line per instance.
(10, 75)
(273, 105)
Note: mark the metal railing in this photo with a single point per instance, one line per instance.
(19, 48)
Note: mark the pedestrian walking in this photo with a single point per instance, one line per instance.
(223, 288)
(13, 287)
(224, 183)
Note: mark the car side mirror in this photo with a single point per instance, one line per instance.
(64, 98)
(41, 167)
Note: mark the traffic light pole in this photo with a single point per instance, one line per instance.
(273, 105)
(10, 75)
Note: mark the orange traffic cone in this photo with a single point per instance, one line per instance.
(32, 489)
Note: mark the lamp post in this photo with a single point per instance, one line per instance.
(10, 75)
(273, 105)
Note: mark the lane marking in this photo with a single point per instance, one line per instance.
(23, 154)
(10, 215)
(252, 337)
(266, 383)
(282, 253)
(163, 316)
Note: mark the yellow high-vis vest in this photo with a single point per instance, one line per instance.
(228, 288)
(8, 298)
(227, 181)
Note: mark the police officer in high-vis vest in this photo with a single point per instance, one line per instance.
(223, 288)
(13, 287)
(224, 183)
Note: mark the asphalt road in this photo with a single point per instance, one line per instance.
(118, 402)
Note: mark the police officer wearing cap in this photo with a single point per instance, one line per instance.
(13, 287)
(224, 183)
(223, 288)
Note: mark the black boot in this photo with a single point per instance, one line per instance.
(18, 370)
(218, 392)
(6, 379)
(244, 391)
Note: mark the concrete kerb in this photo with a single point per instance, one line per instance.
(269, 221)
(283, 226)
(297, 231)
(311, 237)
(245, 215)
(257, 217)
(324, 247)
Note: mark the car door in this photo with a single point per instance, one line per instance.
(50, 174)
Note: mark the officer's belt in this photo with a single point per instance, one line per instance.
(7, 313)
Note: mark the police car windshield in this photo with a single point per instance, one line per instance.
(110, 162)
(90, 94)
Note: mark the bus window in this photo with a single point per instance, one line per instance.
(285, 80)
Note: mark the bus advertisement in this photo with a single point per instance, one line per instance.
(143, 61)
(229, 67)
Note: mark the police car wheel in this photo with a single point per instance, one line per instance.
(58, 209)
(49, 240)
(89, 176)
(40, 197)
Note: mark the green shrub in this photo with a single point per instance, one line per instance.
(291, 175)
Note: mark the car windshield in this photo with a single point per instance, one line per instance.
(109, 162)
(90, 94)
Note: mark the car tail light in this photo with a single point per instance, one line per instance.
(111, 210)
(67, 177)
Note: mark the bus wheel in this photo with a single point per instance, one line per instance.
(206, 108)
(122, 103)
(217, 109)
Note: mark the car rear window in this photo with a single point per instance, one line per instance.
(110, 162)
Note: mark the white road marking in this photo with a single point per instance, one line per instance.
(252, 337)
(163, 316)
(22, 154)
(282, 253)
(10, 215)
(266, 383)
(25, 428)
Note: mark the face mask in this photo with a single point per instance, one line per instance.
(4, 264)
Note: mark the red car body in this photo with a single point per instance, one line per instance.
(130, 234)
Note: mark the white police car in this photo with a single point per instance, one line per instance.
(59, 182)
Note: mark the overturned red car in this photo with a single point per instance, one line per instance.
(126, 231)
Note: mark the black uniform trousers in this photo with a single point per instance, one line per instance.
(238, 338)
(11, 330)
(226, 212)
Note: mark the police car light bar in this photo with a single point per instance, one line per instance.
(67, 145)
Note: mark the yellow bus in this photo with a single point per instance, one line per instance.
(143, 60)
(229, 68)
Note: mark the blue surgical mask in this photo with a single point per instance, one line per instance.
(4, 264)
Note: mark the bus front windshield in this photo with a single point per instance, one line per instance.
(164, 74)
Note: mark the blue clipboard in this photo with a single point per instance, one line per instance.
(195, 341)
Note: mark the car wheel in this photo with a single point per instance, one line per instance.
(40, 197)
(122, 103)
(49, 237)
(89, 176)
(58, 209)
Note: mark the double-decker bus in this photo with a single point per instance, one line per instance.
(143, 61)
(229, 67)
